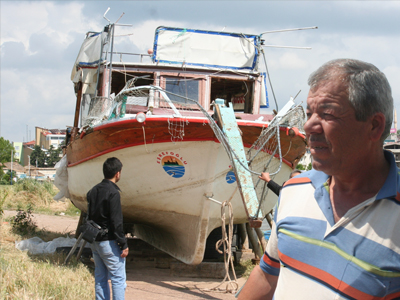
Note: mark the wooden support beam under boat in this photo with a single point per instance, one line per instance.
(78, 103)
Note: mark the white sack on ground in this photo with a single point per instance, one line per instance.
(36, 245)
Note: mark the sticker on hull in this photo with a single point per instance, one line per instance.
(172, 164)
(230, 177)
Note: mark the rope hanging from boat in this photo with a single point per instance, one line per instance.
(226, 241)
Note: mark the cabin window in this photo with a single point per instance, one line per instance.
(119, 80)
(186, 87)
(238, 93)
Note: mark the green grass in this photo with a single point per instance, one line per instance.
(38, 195)
(244, 268)
(42, 277)
(24, 276)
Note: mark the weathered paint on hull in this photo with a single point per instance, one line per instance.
(170, 209)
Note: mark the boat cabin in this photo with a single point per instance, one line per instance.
(194, 64)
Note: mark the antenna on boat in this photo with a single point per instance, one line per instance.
(285, 30)
(292, 29)
(111, 29)
(104, 16)
(276, 46)
(296, 95)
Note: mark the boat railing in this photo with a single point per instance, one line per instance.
(141, 55)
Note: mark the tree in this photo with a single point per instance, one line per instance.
(5, 150)
(7, 176)
(38, 155)
(53, 156)
(5, 153)
(303, 167)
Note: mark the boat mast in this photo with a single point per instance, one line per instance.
(111, 27)
(261, 43)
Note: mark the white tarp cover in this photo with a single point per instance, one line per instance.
(264, 93)
(89, 54)
(36, 245)
(88, 78)
(205, 48)
(61, 179)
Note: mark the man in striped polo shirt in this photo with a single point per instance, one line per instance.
(336, 232)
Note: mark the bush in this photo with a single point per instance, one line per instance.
(42, 191)
(23, 223)
(33, 186)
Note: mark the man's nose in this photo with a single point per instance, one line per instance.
(313, 124)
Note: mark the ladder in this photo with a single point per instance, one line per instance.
(227, 121)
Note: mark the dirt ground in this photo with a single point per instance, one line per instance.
(145, 282)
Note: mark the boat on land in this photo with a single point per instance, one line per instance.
(156, 117)
(393, 147)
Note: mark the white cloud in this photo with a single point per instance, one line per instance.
(20, 20)
(292, 61)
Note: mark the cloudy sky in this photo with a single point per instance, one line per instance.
(41, 39)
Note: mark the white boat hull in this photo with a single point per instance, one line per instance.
(170, 210)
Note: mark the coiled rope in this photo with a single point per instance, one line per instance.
(226, 241)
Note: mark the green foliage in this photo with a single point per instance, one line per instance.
(53, 156)
(5, 178)
(34, 186)
(72, 210)
(300, 167)
(45, 159)
(244, 268)
(23, 223)
(303, 167)
(39, 156)
(44, 276)
(5, 150)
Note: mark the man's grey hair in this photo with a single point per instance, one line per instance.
(369, 90)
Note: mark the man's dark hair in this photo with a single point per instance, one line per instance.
(111, 167)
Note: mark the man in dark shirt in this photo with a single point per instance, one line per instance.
(272, 185)
(109, 250)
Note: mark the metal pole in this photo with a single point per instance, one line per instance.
(98, 69)
(111, 58)
(293, 29)
(29, 164)
(11, 166)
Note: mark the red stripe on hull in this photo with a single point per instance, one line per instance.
(130, 133)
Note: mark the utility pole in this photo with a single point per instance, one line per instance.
(11, 167)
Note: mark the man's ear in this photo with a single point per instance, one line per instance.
(378, 122)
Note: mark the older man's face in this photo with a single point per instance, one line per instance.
(334, 135)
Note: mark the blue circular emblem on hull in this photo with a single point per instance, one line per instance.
(230, 177)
